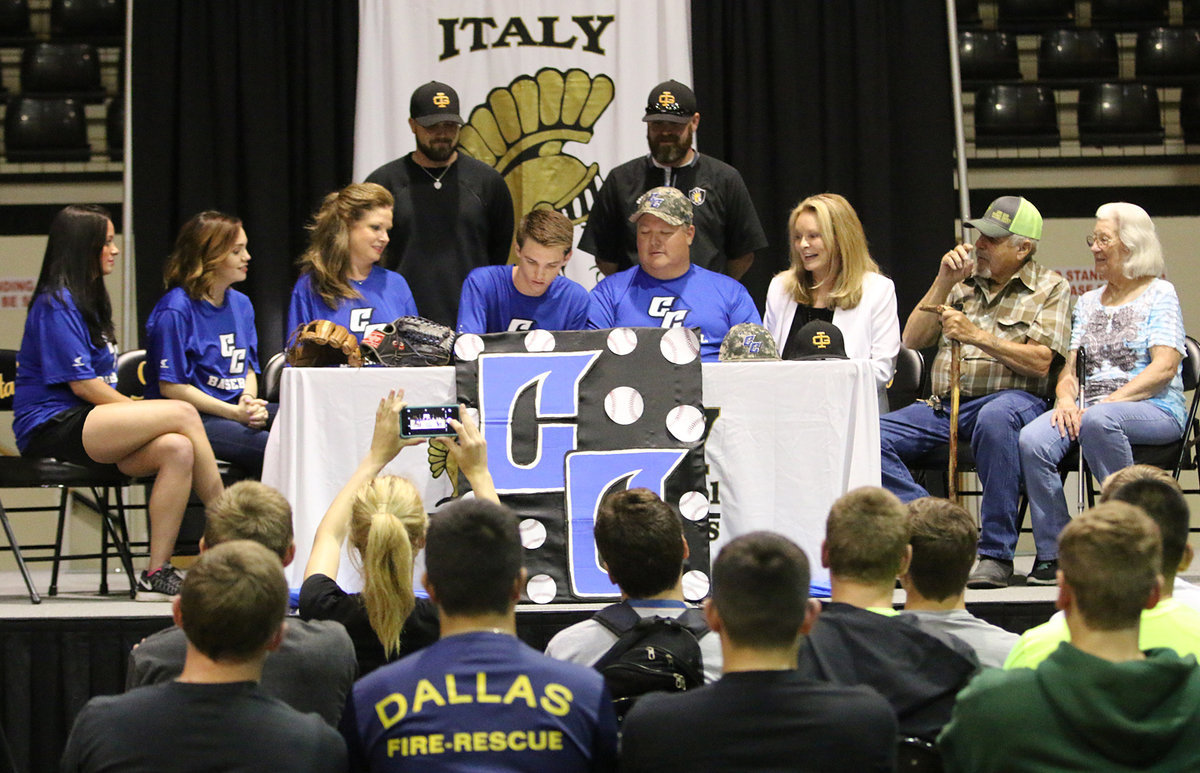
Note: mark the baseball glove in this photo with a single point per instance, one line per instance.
(408, 342)
(322, 343)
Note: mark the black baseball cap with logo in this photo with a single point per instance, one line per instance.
(434, 103)
(670, 101)
(820, 340)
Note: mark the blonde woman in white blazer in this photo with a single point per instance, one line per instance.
(832, 273)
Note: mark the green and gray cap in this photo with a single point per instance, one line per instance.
(667, 204)
(1010, 215)
(748, 341)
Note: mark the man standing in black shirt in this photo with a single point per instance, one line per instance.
(453, 213)
(727, 227)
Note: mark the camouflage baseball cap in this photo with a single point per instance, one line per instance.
(748, 341)
(667, 204)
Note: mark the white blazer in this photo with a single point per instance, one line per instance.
(871, 329)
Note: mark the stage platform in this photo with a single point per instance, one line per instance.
(56, 655)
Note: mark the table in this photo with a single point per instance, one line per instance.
(789, 439)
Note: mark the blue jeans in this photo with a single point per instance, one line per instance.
(1107, 431)
(238, 444)
(993, 423)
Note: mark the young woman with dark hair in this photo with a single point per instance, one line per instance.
(65, 403)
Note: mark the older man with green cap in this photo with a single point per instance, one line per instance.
(1012, 319)
(666, 289)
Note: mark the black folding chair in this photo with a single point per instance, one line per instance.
(104, 485)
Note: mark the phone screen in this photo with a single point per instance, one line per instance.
(427, 420)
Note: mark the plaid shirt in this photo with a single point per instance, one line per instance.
(1034, 307)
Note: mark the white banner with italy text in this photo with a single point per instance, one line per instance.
(553, 91)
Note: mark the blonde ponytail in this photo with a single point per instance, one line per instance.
(387, 528)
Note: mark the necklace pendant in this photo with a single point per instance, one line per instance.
(437, 185)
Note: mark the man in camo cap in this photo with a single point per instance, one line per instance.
(666, 289)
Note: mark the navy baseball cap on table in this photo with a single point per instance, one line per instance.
(434, 103)
(670, 101)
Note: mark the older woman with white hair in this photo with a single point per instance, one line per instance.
(1131, 331)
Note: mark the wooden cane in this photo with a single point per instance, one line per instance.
(1080, 378)
(955, 376)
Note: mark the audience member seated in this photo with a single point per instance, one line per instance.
(762, 714)
(385, 521)
(1011, 317)
(1131, 331)
(201, 345)
(860, 640)
(65, 405)
(1184, 592)
(314, 666)
(533, 294)
(214, 716)
(667, 289)
(641, 545)
(479, 699)
(1101, 701)
(339, 276)
(833, 278)
(1167, 623)
(944, 539)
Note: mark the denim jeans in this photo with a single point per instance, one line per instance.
(993, 424)
(238, 444)
(1107, 431)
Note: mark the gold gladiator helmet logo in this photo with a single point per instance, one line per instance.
(442, 463)
(520, 132)
(441, 100)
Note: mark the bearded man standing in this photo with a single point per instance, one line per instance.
(727, 227)
(452, 214)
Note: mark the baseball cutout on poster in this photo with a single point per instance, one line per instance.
(541, 589)
(693, 505)
(468, 347)
(695, 585)
(624, 405)
(685, 423)
(539, 341)
(680, 346)
(622, 341)
(533, 534)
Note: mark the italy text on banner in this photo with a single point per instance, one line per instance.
(553, 91)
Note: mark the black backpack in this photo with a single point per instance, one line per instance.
(651, 654)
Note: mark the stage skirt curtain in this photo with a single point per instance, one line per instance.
(50, 667)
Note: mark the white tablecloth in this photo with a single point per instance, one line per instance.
(790, 438)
